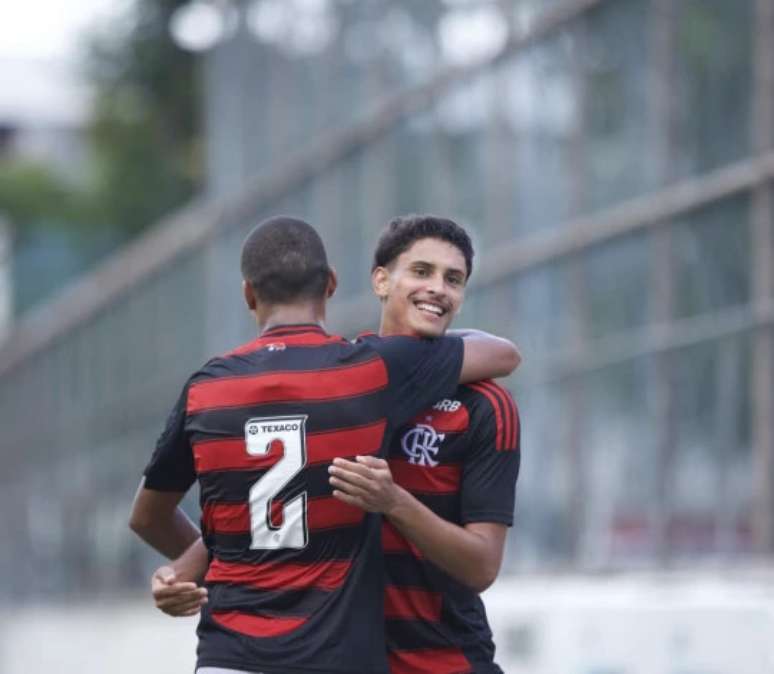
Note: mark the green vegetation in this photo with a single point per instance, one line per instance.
(145, 132)
(143, 155)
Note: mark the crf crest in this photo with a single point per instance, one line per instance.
(421, 444)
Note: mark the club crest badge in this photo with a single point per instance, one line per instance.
(421, 445)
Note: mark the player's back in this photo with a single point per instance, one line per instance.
(295, 579)
(288, 568)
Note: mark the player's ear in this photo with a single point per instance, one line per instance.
(380, 282)
(249, 295)
(333, 283)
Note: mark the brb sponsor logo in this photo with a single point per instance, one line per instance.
(447, 405)
(421, 444)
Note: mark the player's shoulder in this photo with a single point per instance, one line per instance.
(491, 403)
(406, 344)
(387, 347)
(215, 368)
(231, 363)
(486, 393)
(376, 340)
(367, 337)
(275, 351)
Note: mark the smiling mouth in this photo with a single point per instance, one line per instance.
(430, 308)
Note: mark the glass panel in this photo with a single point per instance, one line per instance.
(617, 278)
(619, 465)
(712, 93)
(542, 531)
(285, 81)
(712, 260)
(539, 114)
(712, 470)
(612, 53)
(543, 311)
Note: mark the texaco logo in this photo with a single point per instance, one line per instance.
(421, 445)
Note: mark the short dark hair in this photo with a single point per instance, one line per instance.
(401, 233)
(284, 260)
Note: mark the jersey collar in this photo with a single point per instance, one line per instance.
(294, 329)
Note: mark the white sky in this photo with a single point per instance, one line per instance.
(49, 29)
(39, 48)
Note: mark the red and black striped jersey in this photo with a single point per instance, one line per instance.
(296, 577)
(461, 459)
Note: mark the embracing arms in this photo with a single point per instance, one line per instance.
(471, 553)
(486, 356)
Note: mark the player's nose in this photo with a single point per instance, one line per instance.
(435, 284)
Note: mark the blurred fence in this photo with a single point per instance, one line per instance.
(614, 162)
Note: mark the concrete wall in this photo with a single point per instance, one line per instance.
(670, 623)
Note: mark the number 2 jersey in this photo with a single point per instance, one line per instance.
(461, 459)
(295, 578)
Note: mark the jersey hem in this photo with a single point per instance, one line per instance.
(156, 485)
(494, 517)
(273, 669)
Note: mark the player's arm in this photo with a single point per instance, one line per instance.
(486, 356)
(422, 371)
(156, 516)
(472, 554)
(159, 521)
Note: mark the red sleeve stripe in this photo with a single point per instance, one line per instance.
(280, 575)
(429, 661)
(256, 625)
(505, 413)
(501, 420)
(409, 604)
(231, 454)
(511, 413)
(315, 385)
(443, 479)
(394, 542)
(325, 512)
(503, 399)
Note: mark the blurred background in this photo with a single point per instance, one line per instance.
(613, 160)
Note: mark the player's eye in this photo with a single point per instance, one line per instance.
(421, 271)
(455, 281)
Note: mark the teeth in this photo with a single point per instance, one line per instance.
(430, 307)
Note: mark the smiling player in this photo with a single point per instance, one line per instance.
(447, 490)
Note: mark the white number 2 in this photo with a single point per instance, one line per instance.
(260, 434)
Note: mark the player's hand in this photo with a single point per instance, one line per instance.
(173, 597)
(366, 483)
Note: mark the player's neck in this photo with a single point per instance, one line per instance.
(268, 317)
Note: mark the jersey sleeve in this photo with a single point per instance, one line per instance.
(420, 370)
(171, 467)
(491, 467)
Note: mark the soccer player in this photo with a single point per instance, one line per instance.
(294, 574)
(447, 490)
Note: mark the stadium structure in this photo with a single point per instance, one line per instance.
(613, 159)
